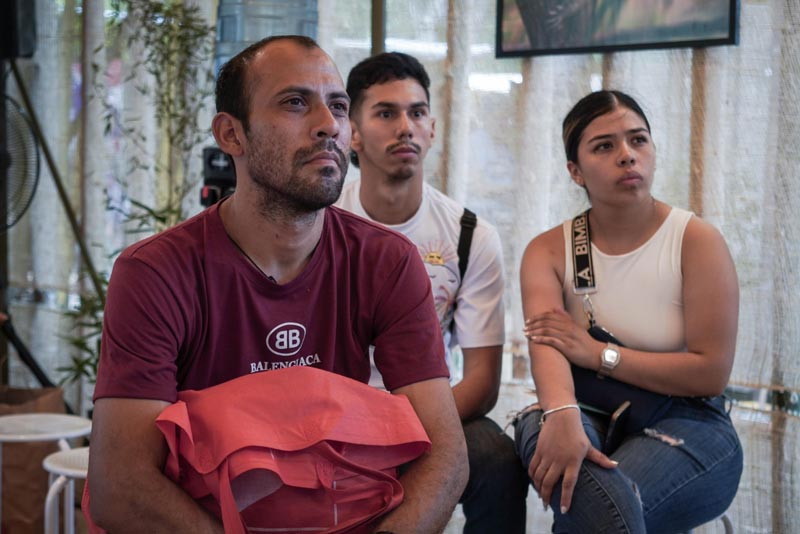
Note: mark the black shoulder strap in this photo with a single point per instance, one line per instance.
(468, 223)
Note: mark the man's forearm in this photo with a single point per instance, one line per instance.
(432, 487)
(434, 482)
(128, 489)
(471, 401)
(476, 394)
(156, 506)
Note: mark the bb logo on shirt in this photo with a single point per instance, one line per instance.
(286, 339)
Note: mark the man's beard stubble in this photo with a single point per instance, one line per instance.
(405, 172)
(295, 194)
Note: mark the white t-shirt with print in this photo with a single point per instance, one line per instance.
(435, 229)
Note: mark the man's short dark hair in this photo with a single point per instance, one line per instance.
(382, 68)
(234, 90)
(379, 69)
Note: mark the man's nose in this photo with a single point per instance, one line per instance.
(325, 123)
(404, 126)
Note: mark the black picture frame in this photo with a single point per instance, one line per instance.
(547, 27)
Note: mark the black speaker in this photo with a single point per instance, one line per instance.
(18, 29)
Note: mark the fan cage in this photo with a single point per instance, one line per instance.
(22, 166)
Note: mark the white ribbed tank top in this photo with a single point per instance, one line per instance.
(639, 294)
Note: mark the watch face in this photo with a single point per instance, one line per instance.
(610, 356)
(609, 359)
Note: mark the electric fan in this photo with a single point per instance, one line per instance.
(20, 160)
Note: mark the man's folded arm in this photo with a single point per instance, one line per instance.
(435, 481)
(128, 490)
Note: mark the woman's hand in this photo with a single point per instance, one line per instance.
(560, 450)
(557, 329)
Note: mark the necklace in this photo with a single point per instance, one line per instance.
(252, 262)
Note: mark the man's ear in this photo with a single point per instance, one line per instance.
(433, 128)
(229, 133)
(576, 174)
(356, 142)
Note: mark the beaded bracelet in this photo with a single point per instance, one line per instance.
(554, 410)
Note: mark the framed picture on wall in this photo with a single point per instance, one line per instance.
(542, 27)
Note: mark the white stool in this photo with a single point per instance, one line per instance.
(64, 467)
(35, 427)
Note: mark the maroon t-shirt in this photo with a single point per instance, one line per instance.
(186, 310)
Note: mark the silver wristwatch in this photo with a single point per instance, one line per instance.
(609, 359)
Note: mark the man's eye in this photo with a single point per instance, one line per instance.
(340, 107)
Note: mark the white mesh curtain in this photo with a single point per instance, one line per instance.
(87, 89)
(41, 251)
(726, 125)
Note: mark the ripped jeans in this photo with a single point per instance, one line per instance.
(680, 473)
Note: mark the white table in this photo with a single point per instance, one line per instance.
(31, 427)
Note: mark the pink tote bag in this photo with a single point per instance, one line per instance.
(292, 450)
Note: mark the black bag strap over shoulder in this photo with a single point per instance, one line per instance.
(582, 270)
(468, 223)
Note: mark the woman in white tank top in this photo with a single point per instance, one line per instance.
(667, 288)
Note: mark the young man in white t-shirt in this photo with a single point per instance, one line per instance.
(392, 132)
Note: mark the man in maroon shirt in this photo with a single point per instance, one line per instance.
(269, 278)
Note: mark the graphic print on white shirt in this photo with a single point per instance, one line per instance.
(441, 262)
(477, 303)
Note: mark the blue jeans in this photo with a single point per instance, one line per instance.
(680, 473)
(494, 499)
